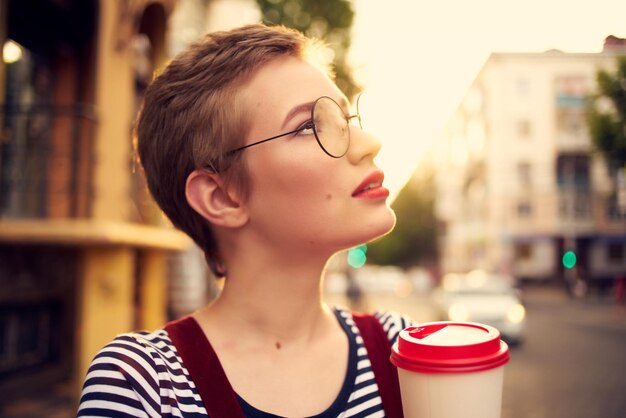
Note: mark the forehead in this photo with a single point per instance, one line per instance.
(285, 82)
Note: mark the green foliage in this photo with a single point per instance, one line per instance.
(328, 20)
(607, 125)
(414, 239)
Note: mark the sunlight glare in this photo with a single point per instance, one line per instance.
(417, 60)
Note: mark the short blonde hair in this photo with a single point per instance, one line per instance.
(191, 117)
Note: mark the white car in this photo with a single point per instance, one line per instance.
(483, 298)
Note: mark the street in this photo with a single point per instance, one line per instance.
(572, 363)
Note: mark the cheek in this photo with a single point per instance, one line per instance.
(298, 181)
(321, 185)
(304, 175)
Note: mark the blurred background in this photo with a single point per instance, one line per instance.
(504, 145)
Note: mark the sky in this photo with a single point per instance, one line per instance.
(416, 59)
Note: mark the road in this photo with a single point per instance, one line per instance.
(572, 363)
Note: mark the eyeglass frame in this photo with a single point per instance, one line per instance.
(302, 128)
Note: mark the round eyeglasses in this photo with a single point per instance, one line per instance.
(329, 124)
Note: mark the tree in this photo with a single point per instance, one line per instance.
(607, 127)
(328, 20)
(414, 239)
(607, 115)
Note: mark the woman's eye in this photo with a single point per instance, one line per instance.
(306, 128)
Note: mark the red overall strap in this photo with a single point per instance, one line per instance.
(386, 375)
(205, 368)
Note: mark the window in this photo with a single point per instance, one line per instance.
(38, 284)
(571, 91)
(571, 129)
(524, 210)
(523, 251)
(27, 124)
(613, 211)
(574, 205)
(572, 172)
(615, 253)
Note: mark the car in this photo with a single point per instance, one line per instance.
(483, 298)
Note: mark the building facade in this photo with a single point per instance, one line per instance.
(83, 250)
(518, 183)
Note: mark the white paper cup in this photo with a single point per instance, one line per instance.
(450, 370)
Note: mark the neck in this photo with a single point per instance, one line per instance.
(274, 299)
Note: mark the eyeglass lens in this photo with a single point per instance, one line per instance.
(331, 127)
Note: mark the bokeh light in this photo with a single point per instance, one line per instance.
(357, 257)
(569, 259)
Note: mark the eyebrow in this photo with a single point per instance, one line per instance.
(306, 107)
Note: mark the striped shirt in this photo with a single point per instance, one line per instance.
(140, 374)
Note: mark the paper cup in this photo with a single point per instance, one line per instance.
(450, 370)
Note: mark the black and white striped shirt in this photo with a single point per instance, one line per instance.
(140, 374)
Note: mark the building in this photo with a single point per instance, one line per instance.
(83, 250)
(518, 185)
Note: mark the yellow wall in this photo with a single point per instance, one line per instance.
(114, 99)
(105, 300)
(152, 289)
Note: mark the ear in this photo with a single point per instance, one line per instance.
(207, 195)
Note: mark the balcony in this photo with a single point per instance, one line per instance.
(46, 155)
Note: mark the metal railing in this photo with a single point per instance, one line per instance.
(46, 156)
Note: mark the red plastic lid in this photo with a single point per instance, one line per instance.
(449, 347)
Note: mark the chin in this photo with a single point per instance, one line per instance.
(388, 227)
(379, 229)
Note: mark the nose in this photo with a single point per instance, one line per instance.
(363, 145)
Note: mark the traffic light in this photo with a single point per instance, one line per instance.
(357, 256)
(569, 259)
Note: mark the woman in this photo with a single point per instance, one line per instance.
(250, 148)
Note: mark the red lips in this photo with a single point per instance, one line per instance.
(372, 187)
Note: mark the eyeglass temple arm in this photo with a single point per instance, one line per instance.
(211, 167)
